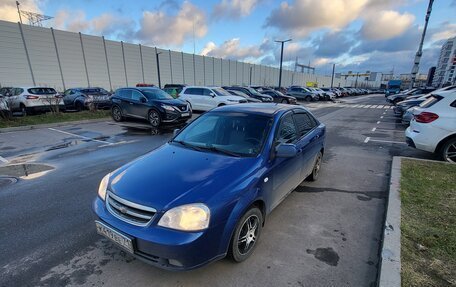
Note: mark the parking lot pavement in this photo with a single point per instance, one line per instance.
(327, 233)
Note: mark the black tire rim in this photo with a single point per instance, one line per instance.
(116, 114)
(284, 101)
(154, 119)
(308, 99)
(23, 111)
(317, 166)
(449, 154)
(248, 234)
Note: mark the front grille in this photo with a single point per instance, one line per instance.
(183, 108)
(128, 211)
(242, 101)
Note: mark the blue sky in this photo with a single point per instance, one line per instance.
(357, 35)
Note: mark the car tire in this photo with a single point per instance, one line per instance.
(285, 101)
(316, 168)
(308, 98)
(246, 235)
(154, 118)
(448, 147)
(116, 114)
(23, 110)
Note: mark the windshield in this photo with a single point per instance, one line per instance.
(253, 91)
(156, 94)
(235, 134)
(220, 92)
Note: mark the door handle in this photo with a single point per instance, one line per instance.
(130, 103)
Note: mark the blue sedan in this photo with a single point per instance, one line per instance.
(207, 192)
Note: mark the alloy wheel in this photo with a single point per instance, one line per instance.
(449, 153)
(248, 235)
(154, 118)
(116, 114)
(317, 166)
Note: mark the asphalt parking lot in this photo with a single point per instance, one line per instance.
(326, 233)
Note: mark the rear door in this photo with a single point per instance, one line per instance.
(309, 142)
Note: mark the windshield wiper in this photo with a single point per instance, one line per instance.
(188, 145)
(219, 150)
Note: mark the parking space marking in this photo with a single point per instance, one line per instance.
(386, 141)
(4, 160)
(79, 136)
(374, 129)
(378, 122)
(367, 140)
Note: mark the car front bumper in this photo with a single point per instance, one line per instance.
(175, 117)
(166, 248)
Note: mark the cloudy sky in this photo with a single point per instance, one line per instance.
(356, 35)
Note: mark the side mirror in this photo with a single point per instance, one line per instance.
(212, 95)
(143, 100)
(175, 132)
(286, 150)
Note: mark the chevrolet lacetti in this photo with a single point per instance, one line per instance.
(207, 192)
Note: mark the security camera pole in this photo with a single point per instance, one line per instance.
(419, 53)
(281, 60)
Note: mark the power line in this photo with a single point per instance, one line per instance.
(34, 19)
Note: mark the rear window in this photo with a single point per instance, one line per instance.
(221, 92)
(41, 91)
(430, 101)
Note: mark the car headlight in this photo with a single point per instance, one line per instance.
(168, 108)
(189, 217)
(103, 186)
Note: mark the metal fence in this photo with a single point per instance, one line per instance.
(48, 57)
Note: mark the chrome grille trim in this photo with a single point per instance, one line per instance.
(130, 212)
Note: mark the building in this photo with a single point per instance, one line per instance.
(420, 80)
(445, 73)
(430, 76)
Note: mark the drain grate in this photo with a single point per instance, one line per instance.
(4, 181)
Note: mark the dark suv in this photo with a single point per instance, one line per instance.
(151, 104)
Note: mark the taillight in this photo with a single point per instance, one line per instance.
(29, 97)
(426, 117)
(58, 96)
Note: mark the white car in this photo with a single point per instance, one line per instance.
(206, 98)
(433, 127)
(34, 99)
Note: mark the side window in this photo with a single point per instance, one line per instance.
(136, 96)
(453, 104)
(287, 130)
(206, 92)
(125, 94)
(17, 91)
(191, 91)
(304, 123)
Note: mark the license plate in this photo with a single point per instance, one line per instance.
(115, 236)
(185, 114)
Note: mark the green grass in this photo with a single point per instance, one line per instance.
(49, 118)
(428, 214)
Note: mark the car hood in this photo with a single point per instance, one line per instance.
(172, 102)
(174, 175)
(233, 98)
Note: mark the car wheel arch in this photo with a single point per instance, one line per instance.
(442, 142)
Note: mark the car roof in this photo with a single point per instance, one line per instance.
(264, 109)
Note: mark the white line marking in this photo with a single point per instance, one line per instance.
(373, 107)
(381, 117)
(83, 137)
(4, 160)
(367, 140)
(378, 122)
(385, 141)
(374, 129)
(391, 108)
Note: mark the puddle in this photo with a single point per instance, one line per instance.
(7, 148)
(64, 145)
(101, 138)
(24, 171)
(327, 255)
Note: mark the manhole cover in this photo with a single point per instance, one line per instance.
(4, 181)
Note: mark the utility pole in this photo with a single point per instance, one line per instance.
(19, 11)
(332, 76)
(281, 59)
(251, 68)
(419, 53)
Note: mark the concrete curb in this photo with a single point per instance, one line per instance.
(45, 126)
(390, 261)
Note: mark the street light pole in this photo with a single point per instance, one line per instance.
(332, 76)
(282, 42)
(19, 11)
(158, 67)
(251, 68)
(419, 53)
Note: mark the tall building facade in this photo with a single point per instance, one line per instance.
(445, 72)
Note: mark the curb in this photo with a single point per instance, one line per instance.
(390, 256)
(44, 126)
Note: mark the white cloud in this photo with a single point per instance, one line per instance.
(234, 8)
(8, 9)
(231, 49)
(105, 24)
(304, 16)
(386, 25)
(448, 31)
(159, 28)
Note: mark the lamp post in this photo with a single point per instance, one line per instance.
(282, 42)
(158, 67)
